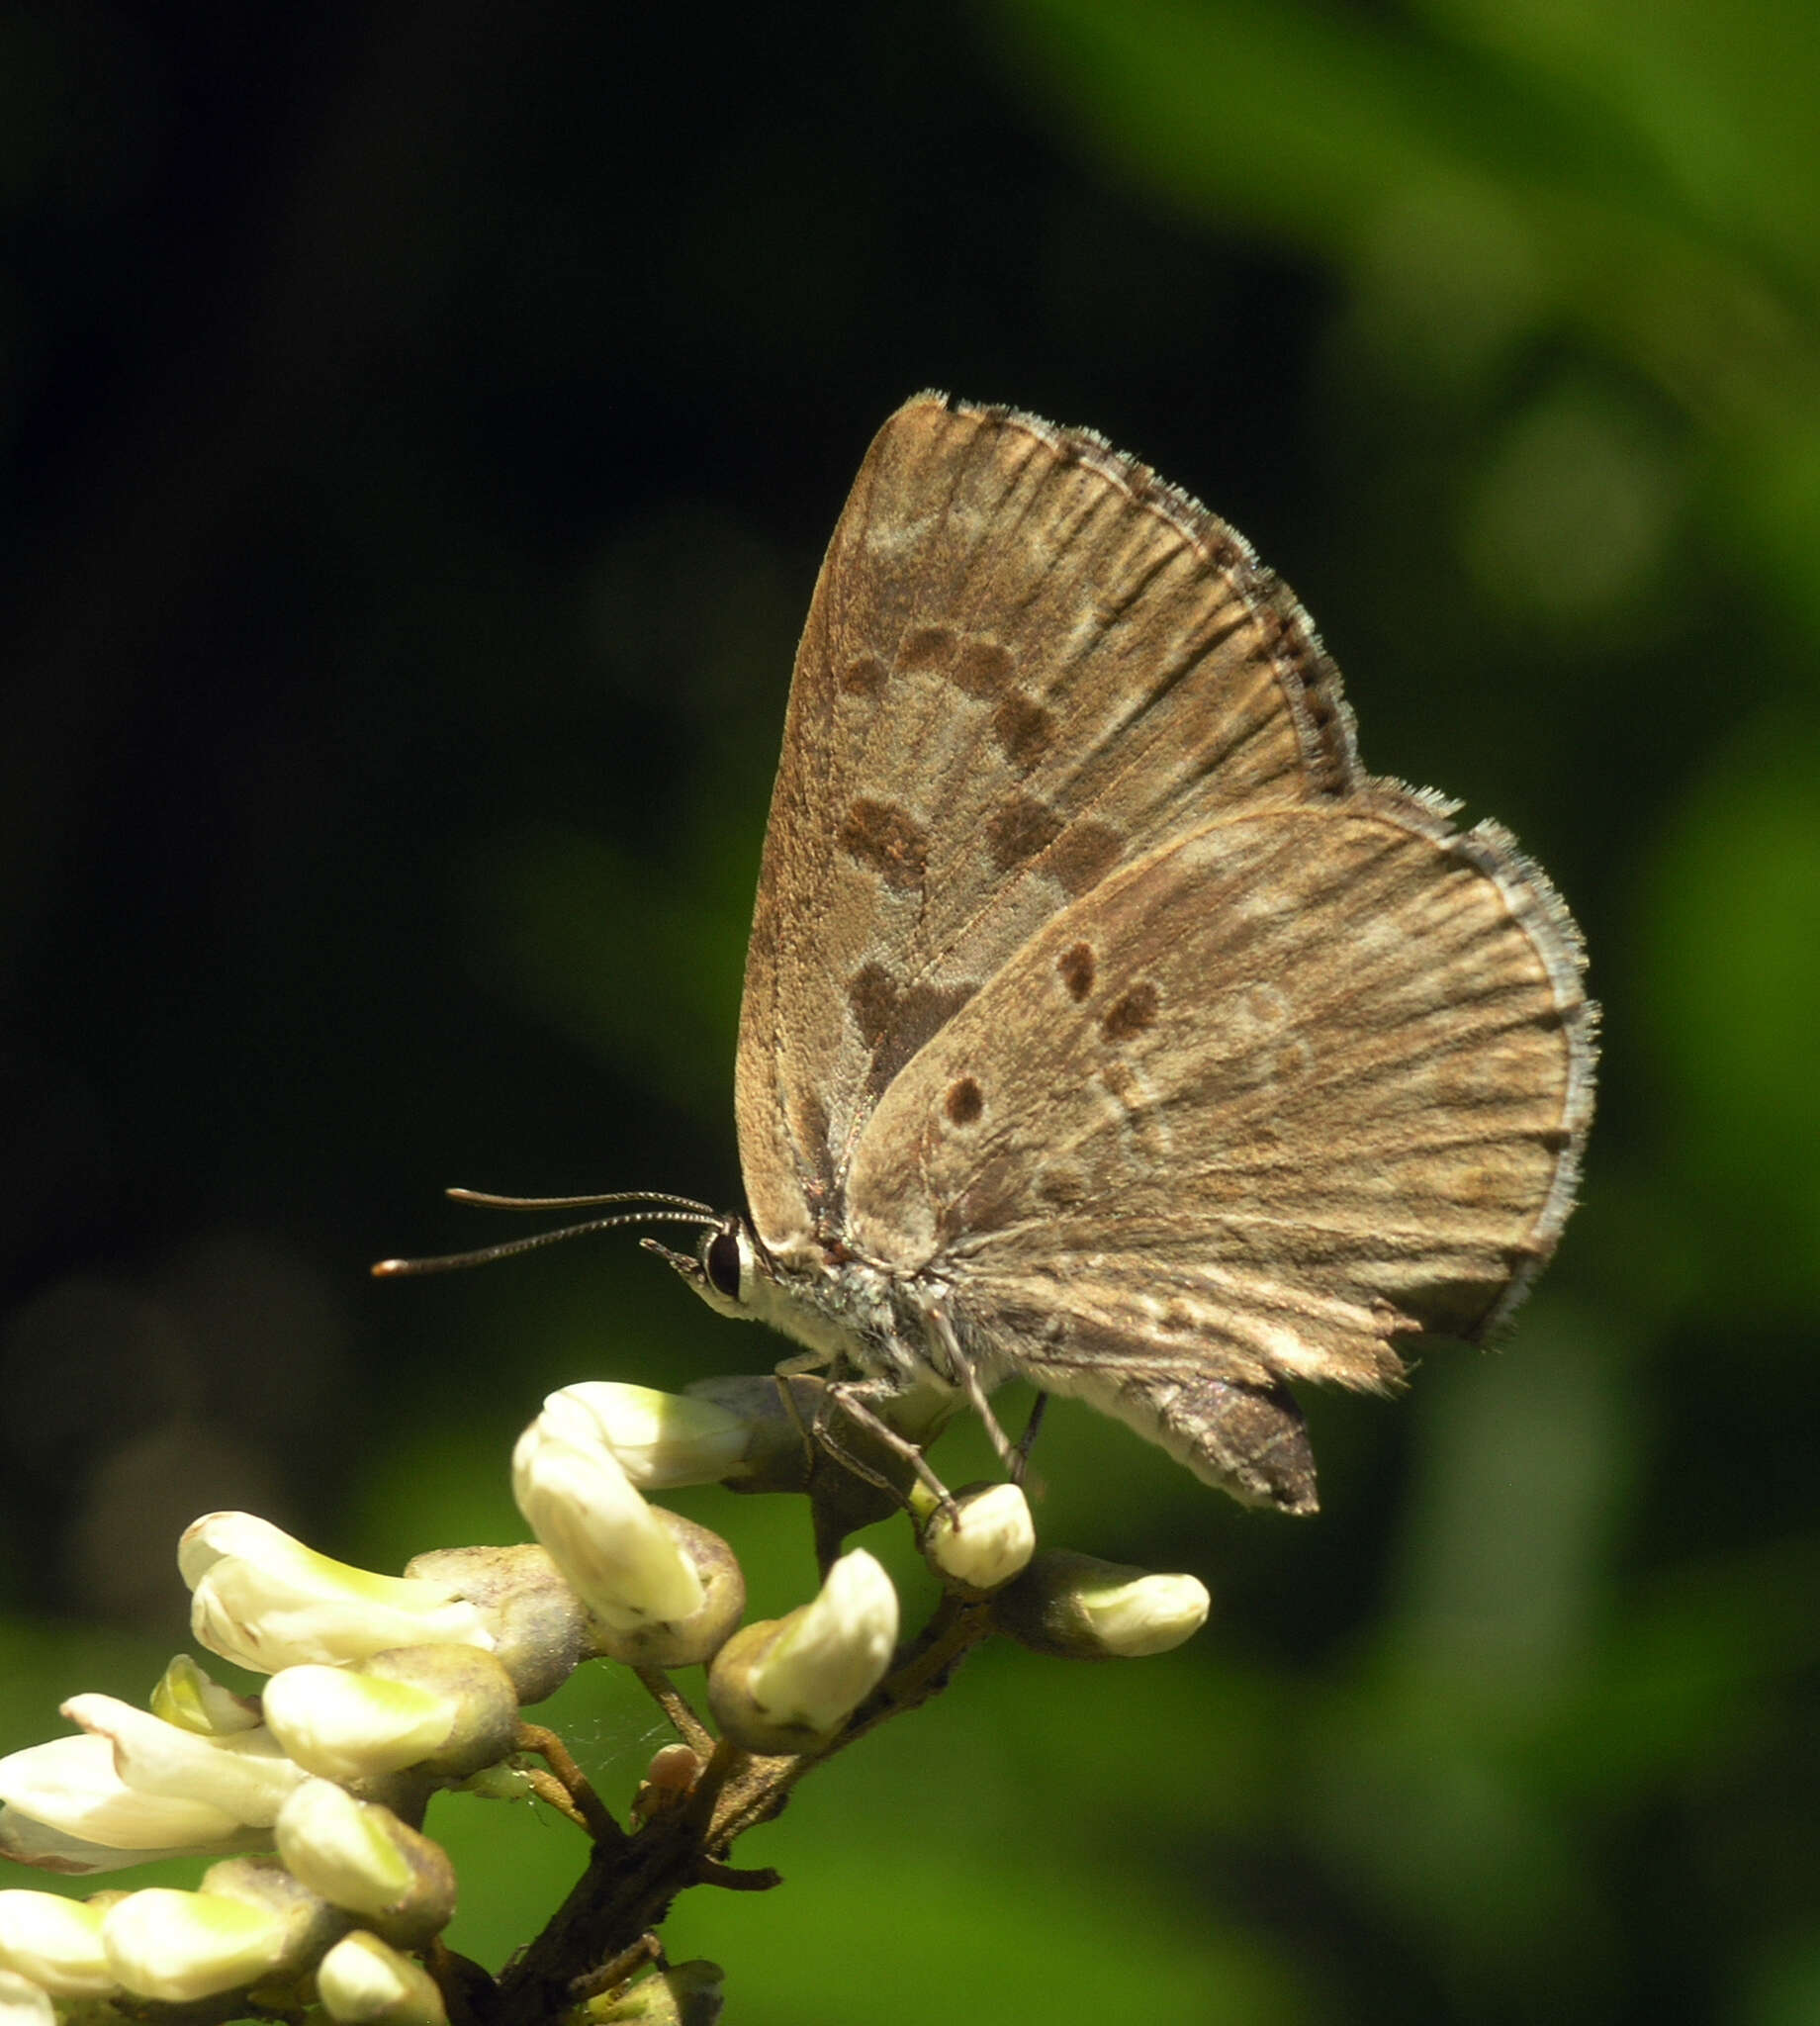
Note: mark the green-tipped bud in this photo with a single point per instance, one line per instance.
(685, 1994)
(311, 1923)
(55, 1941)
(363, 1983)
(449, 1710)
(1078, 1607)
(192, 1699)
(267, 1602)
(695, 1640)
(181, 1946)
(485, 1722)
(618, 1555)
(541, 1631)
(790, 1684)
(360, 1856)
(344, 1725)
(980, 1538)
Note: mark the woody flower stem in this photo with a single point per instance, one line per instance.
(631, 1881)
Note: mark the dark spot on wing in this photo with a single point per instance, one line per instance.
(919, 1015)
(1084, 856)
(1020, 829)
(894, 1022)
(964, 1103)
(1077, 968)
(891, 842)
(982, 668)
(863, 676)
(1130, 1013)
(1023, 729)
(925, 647)
(871, 995)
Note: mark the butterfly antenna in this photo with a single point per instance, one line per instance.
(488, 1201)
(675, 1209)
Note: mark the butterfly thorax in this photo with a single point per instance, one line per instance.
(859, 1317)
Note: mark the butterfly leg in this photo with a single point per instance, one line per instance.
(1028, 1439)
(847, 1395)
(963, 1372)
(804, 1364)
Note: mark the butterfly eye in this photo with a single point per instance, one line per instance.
(721, 1257)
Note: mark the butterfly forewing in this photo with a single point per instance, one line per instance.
(1026, 660)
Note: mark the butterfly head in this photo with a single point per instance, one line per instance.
(726, 1268)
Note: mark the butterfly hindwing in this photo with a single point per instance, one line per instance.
(1302, 1082)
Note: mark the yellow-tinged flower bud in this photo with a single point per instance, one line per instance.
(363, 1983)
(267, 1602)
(180, 1946)
(618, 1555)
(360, 1856)
(982, 1537)
(1078, 1607)
(659, 1439)
(695, 1640)
(55, 1941)
(189, 1697)
(346, 1725)
(449, 1710)
(789, 1684)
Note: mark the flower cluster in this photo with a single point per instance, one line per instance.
(381, 1690)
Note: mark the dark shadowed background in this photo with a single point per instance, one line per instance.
(421, 428)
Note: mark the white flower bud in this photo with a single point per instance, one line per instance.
(55, 1941)
(616, 1555)
(360, 1856)
(790, 1684)
(193, 1701)
(23, 2002)
(361, 1980)
(70, 1787)
(34, 1843)
(246, 1774)
(1077, 1606)
(267, 1602)
(659, 1439)
(982, 1538)
(1148, 1614)
(695, 1640)
(345, 1725)
(181, 1946)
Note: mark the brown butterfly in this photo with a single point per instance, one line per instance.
(1105, 1024)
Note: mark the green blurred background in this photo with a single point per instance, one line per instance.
(421, 425)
